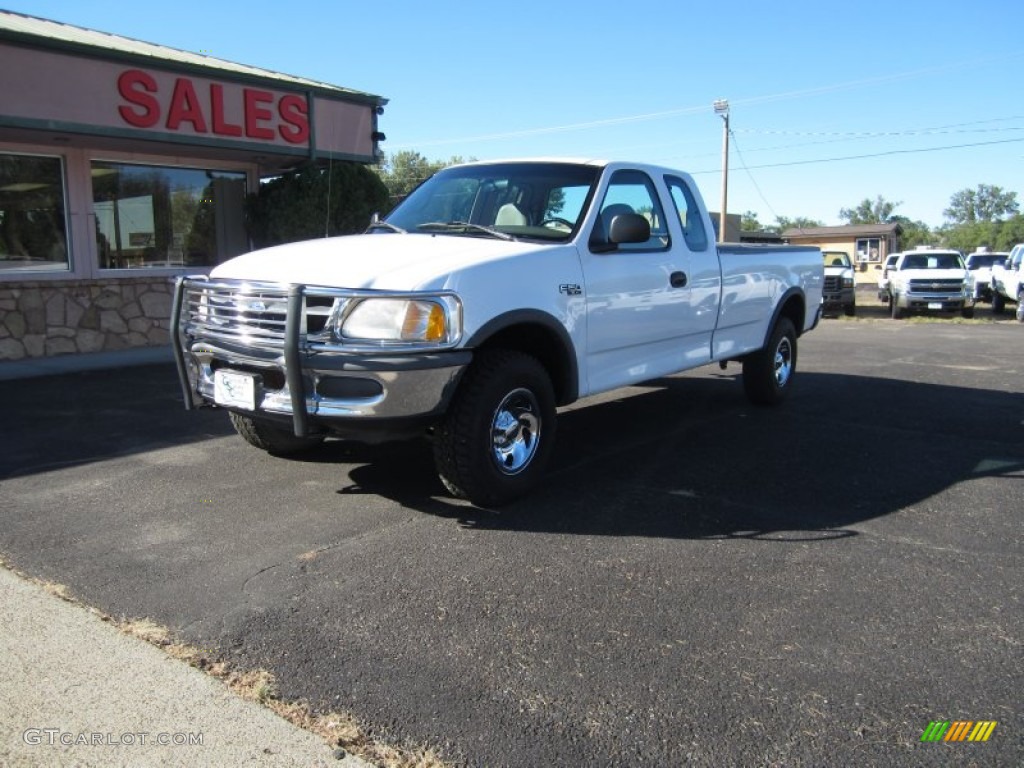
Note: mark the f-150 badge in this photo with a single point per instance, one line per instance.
(570, 289)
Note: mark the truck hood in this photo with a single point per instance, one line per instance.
(394, 262)
(833, 271)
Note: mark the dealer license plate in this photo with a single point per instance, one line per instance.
(236, 390)
(934, 305)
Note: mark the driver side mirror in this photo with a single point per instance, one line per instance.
(629, 228)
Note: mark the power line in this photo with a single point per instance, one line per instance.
(757, 187)
(873, 154)
(766, 99)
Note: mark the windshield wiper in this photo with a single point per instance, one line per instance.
(446, 226)
(381, 224)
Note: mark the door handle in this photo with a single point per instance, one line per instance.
(677, 279)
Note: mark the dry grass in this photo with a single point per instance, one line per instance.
(339, 730)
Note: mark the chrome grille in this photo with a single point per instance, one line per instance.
(938, 285)
(253, 314)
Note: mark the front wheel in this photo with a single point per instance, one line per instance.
(768, 373)
(894, 308)
(497, 436)
(998, 302)
(268, 436)
(967, 313)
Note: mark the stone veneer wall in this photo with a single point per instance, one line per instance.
(41, 319)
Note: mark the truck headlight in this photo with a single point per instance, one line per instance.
(398, 320)
(847, 282)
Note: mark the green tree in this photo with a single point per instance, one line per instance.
(314, 202)
(997, 235)
(912, 233)
(1011, 232)
(782, 223)
(749, 222)
(984, 203)
(404, 171)
(877, 211)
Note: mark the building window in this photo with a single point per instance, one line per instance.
(33, 222)
(154, 216)
(869, 249)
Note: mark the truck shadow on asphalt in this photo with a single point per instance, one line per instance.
(687, 457)
(82, 418)
(681, 457)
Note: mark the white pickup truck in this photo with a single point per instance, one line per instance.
(491, 295)
(1008, 282)
(930, 280)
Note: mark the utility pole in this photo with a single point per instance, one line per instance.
(722, 110)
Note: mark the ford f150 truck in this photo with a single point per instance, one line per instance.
(1008, 282)
(927, 280)
(492, 294)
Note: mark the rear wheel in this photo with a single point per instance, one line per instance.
(498, 434)
(768, 374)
(270, 436)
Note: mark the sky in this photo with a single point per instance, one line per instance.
(830, 103)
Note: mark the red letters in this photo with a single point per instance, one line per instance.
(254, 113)
(265, 115)
(221, 126)
(295, 116)
(185, 107)
(134, 85)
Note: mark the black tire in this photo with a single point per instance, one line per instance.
(998, 303)
(894, 308)
(850, 310)
(271, 437)
(768, 373)
(967, 313)
(503, 391)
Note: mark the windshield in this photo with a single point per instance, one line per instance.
(542, 201)
(836, 259)
(932, 261)
(985, 260)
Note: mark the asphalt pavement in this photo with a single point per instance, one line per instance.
(698, 581)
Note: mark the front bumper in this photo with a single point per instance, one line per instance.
(837, 299)
(317, 388)
(941, 302)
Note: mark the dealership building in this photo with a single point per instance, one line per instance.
(124, 164)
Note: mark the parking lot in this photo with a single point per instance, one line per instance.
(698, 581)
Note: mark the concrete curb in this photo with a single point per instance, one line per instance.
(76, 691)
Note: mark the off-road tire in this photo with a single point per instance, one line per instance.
(271, 437)
(768, 373)
(502, 390)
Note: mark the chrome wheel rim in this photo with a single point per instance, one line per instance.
(515, 431)
(783, 363)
